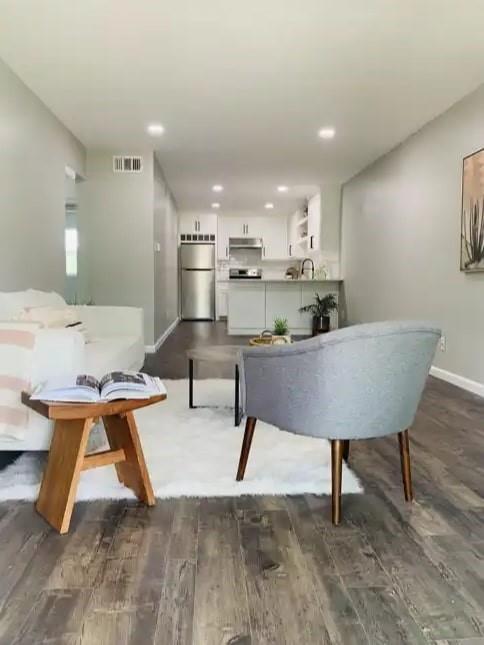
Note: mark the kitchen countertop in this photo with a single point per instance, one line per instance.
(280, 280)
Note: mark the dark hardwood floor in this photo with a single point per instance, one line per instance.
(267, 569)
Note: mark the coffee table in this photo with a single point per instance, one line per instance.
(216, 354)
(68, 458)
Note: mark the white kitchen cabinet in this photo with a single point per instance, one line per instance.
(314, 223)
(273, 231)
(227, 227)
(246, 307)
(222, 299)
(193, 223)
(254, 306)
(295, 231)
(283, 301)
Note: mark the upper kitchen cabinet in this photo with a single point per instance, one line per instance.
(297, 234)
(194, 223)
(314, 223)
(228, 227)
(316, 229)
(273, 231)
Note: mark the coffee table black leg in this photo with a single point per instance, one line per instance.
(190, 383)
(237, 394)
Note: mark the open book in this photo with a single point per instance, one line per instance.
(87, 389)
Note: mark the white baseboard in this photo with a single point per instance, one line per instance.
(461, 381)
(151, 349)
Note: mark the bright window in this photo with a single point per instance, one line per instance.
(72, 245)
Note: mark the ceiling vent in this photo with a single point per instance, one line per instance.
(127, 164)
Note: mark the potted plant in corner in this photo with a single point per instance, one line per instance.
(281, 335)
(320, 310)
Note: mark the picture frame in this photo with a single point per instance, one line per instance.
(472, 213)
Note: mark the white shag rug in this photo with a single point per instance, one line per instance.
(195, 453)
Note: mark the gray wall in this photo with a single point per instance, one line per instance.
(117, 222)
(401, 237)
(166, 259)
(34, 150)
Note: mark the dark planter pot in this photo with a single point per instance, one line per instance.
(320, 325)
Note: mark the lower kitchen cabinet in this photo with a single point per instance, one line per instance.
(222, 299)
(247, 308)
(253, 307)
(283, 301)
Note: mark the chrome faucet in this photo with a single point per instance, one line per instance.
(303, 267)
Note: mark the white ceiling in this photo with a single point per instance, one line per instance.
(243, 86)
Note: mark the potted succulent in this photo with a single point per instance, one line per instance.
(281, 335)
(320, 309)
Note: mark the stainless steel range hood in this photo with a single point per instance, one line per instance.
(245, 243)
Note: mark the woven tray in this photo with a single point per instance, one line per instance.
(260, 340)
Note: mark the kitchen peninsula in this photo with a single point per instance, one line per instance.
(254, 304)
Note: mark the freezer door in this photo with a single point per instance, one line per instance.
(198, 295)
(197, 256)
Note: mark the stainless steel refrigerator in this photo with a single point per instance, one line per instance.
(197, 262)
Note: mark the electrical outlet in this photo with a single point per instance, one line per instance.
(443, 343)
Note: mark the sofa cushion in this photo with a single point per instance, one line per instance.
(115, 353)
(12, 303)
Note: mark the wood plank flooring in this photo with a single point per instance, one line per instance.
(267, 570)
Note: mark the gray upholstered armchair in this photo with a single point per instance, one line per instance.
(355, 383)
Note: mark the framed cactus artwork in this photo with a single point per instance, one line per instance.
(472, 216)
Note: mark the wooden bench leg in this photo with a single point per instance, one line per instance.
(61, 476)
(122, 434)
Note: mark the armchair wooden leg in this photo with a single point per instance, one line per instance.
(346, 449)
(405, 462)
(337, 447)
(246, 443)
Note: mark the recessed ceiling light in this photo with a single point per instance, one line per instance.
(217, 188)
(215, 205)
(269, 205)
(326, 133)
(155, 129)
(282, 189)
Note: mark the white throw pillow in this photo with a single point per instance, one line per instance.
(12, 303)
(49, 317)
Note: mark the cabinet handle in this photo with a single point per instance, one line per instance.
(226, 251)
(290, 250)
(264, 251)
(311, 241)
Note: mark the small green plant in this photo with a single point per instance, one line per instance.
(281, 328)
(322, 306)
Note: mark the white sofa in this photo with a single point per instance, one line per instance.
(113, 340)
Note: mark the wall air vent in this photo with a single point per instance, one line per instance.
(127, 164)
